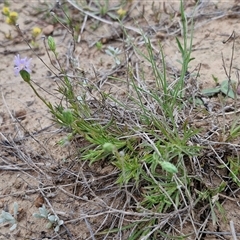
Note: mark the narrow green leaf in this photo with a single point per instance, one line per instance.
(211, 91)
(180, 46)
(227, 89)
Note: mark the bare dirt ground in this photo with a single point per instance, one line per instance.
(34, 168)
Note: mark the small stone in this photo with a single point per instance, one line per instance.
(48, 30)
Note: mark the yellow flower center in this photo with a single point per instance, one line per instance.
(13, 15)
(5, 10)
(121, 12)
(36, 31)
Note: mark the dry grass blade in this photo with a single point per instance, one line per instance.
(234, 235)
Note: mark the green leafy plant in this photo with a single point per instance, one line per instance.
(234, 131)
(113, 52)
(148, 137)
(234, 167)
(53, 220)
(7, 217)
(156, 155)
(103, 8)
(224, 88)
(99, 45)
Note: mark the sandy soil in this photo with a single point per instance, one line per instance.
(31, 159)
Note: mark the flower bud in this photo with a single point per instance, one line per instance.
(108, 147)
(169, 167)
(51, 44)
(5, 11)
(25, 75)
(36, 31)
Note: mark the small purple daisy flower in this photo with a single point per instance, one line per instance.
(21, 64)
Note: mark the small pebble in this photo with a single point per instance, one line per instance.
(48, 30)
